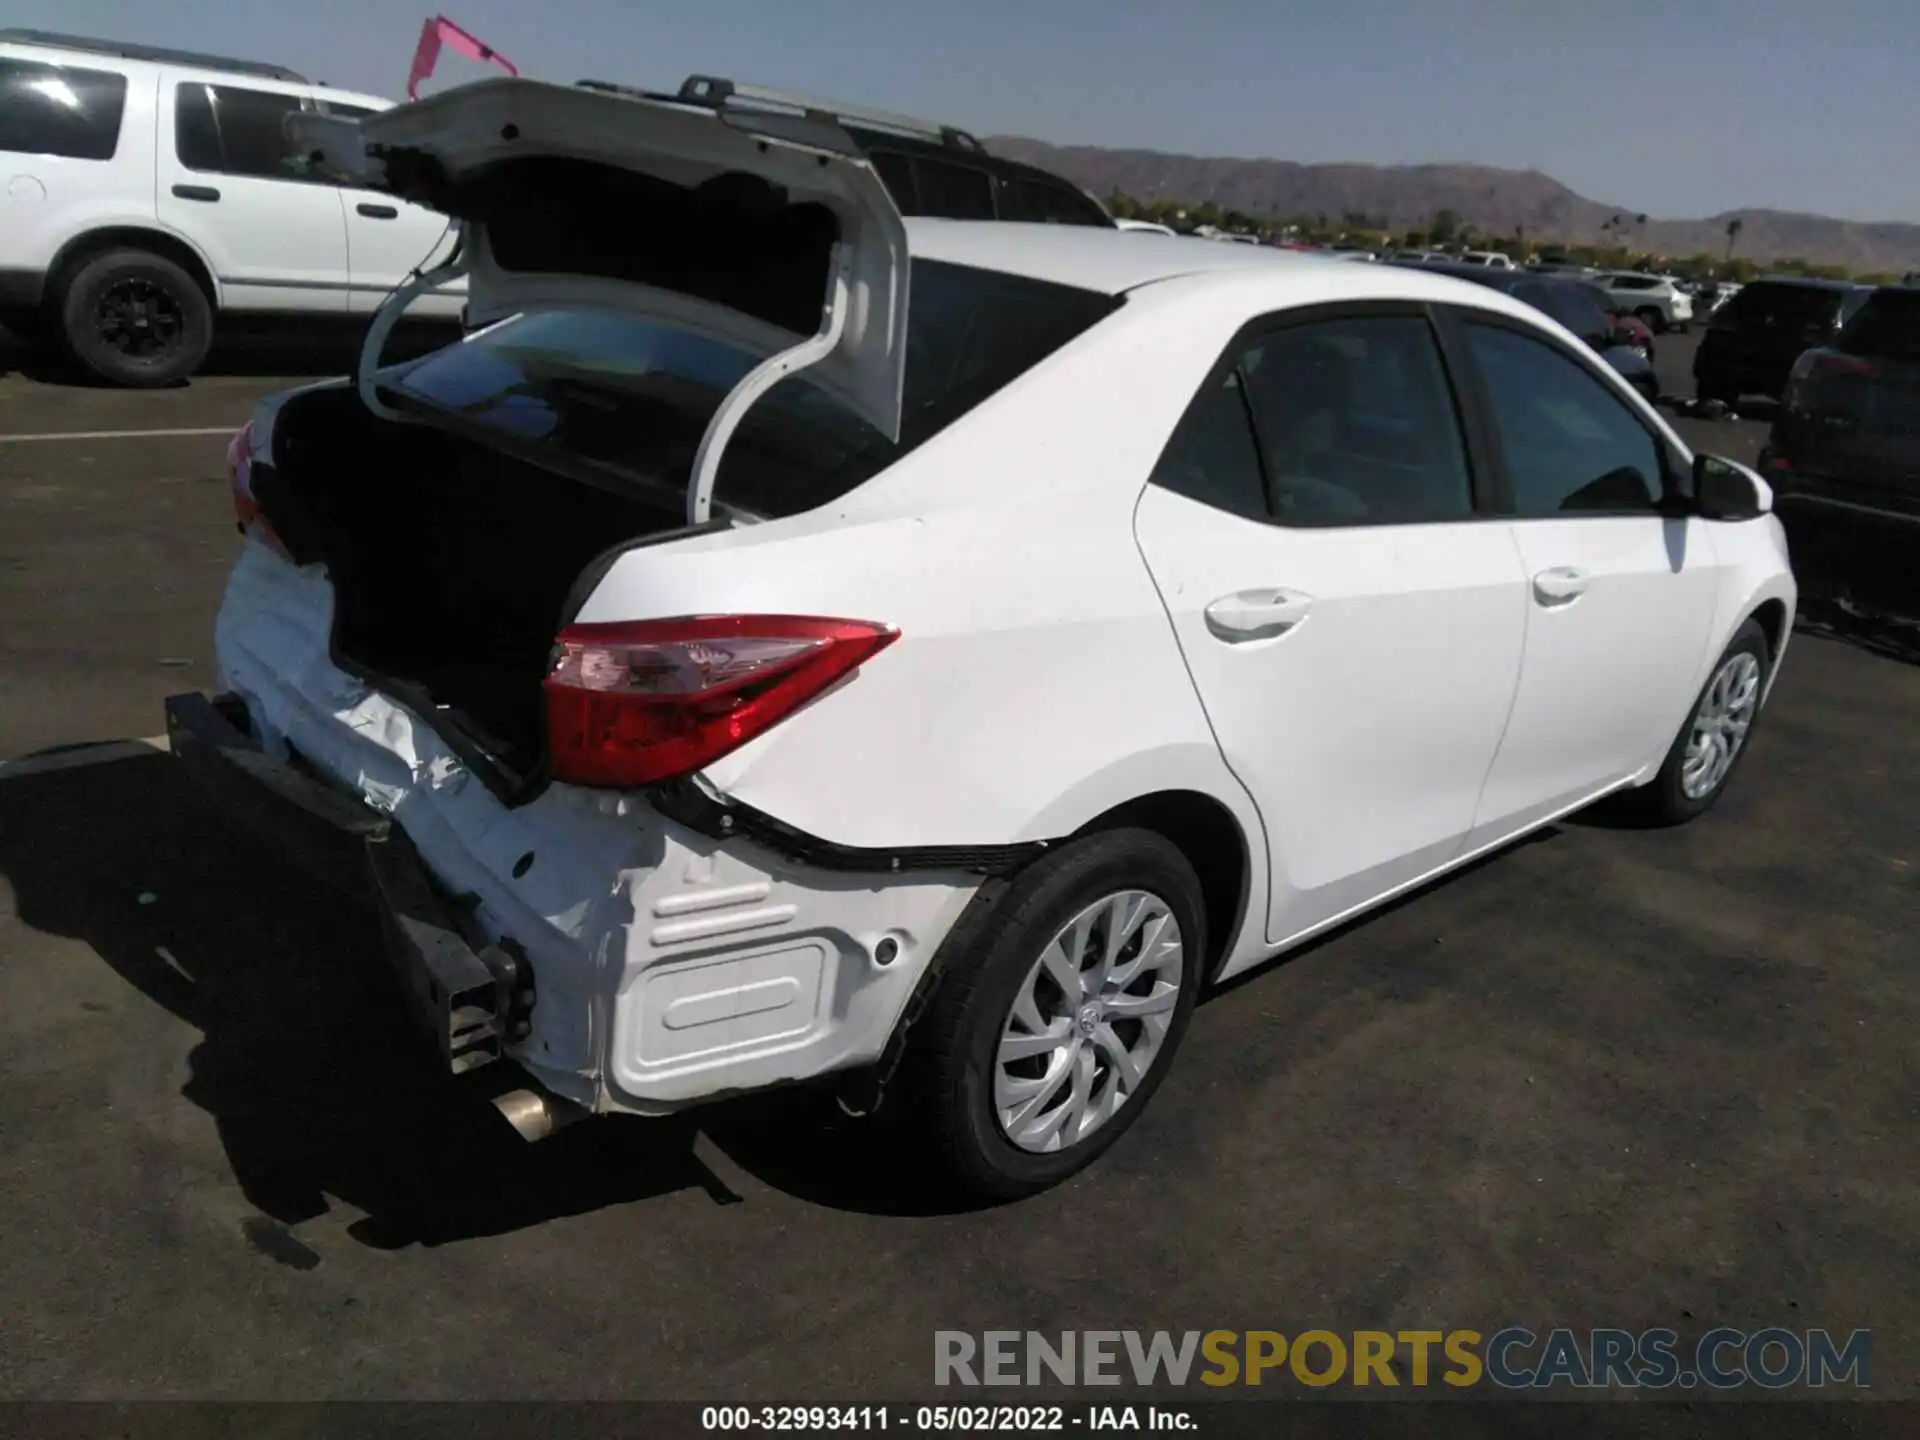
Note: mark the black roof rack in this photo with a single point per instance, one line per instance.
(718, 92)
(90, 45)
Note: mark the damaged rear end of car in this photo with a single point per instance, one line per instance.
(684, 321)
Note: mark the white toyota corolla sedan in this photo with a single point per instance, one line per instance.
(782, 642)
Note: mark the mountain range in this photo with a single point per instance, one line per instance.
(1494, 201)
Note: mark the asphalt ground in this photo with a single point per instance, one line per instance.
(1606, 1078)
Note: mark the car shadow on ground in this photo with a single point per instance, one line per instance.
(318, 1087)
(249, 350)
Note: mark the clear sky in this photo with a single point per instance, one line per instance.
(1679, 109)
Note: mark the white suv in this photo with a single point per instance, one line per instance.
(144, 192)
(1655, 299)
(812, 645)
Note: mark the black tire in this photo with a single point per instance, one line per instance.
(946, 1087)
(24, 323)
(134, 318)
(1664, 800)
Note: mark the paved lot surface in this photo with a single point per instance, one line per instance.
(1608, 1078)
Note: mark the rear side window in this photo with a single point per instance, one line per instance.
(632, 396)
(1333, 423)
(1570, 444)
(1762, 306)
(1632, 282)
(952, 192)
(60, 110)
(1039, 202)
(229, 130)
(896, 173)
(1887, 327)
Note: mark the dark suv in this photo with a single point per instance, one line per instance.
(1753, 339)
(929, 169)
(1844, 456)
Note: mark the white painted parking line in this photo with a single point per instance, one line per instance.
(115, 434)
(86, 755)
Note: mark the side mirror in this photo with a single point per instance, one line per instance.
(1727, 490)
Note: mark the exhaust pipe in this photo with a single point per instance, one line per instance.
(536, 1116)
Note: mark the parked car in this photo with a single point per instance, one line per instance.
(1151, 227)
(1492, 259)
(929, 168)
(153, 192)
(1658, 301)
(1574, 304)
(1629, 329)
(1417, 257)
(1752, 341)
(757, 755)
(1844, 456)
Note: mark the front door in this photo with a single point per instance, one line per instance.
(1620, 596)
(1353, 629)
(228, 178)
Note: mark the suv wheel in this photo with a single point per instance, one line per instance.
(134, 318)
(1046, 1041)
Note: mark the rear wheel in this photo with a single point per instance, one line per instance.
(1651, 317)
(1047, 1040)
(134, 318)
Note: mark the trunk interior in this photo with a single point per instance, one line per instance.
(452, 565)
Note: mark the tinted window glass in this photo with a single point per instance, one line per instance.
(1571, 445)
(225, 130)
(1577, 309)
(635, 396)
(1886, 327)
(1212, 457)
(60, 110)
(955, 192)
(1357, 424)
(896, 173)
(1764, 306)
(1040, 202)
(1632, 282)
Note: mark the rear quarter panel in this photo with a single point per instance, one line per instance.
(1036, 683)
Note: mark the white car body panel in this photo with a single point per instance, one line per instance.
(1053, 664)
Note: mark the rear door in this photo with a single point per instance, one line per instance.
(388, 238)
(1352, 624)
(230, 178)
(1620, 596)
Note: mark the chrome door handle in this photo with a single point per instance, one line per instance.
(1257, 614)
(1560, 584)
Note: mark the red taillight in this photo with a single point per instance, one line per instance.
(633, 704)
(247, 516)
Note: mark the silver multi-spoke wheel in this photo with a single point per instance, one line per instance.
(1088, 1022)
(1720, 725)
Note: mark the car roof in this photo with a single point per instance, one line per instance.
(1114, 261)
(1811, 282)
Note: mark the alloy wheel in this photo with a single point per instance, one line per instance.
(1720, 725)
(138, 319)
(1088, 1022)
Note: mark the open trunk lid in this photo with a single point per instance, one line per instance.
(767, 232)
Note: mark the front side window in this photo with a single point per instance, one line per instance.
(1571, 445)
(60, 110)
(1047, 204)
(633, 396)
(952, 192)
(228, 130)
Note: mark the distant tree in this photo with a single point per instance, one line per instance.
(1122, 205)
(1414, 239)
(1741, 271)
(1205, 213)
(1446, 224)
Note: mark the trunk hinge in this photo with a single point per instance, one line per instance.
(391, 309)
(762, 378)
